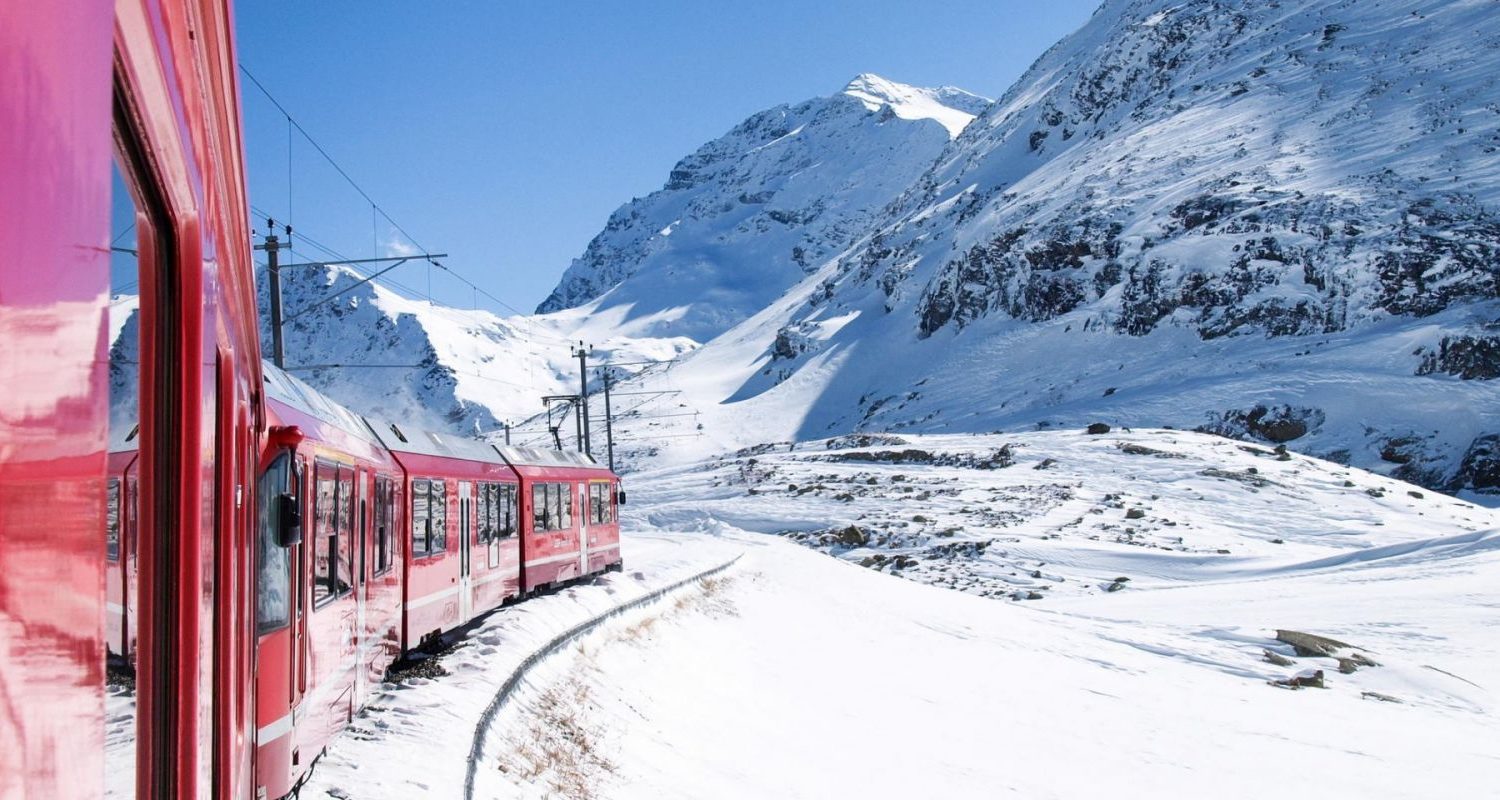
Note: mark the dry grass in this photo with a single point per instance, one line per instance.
(563, 749)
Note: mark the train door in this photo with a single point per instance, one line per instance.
(361, 581)
(300, 594)
(465, 535)
(583, 529)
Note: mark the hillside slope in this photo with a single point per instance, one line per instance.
(749, 214)
(1272, 221)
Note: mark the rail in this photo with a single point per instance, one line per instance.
(512, 683)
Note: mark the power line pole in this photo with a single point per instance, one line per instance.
(583, 396)
(273, 249)
(570, 402)
(609, 423)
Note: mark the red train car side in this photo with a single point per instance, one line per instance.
(463, 557)
(568, 516)
(147, 86)
(122, 491)
(329, 578)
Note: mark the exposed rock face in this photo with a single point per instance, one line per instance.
(1468, 357)
(1207, 179)
(1088, 186)
(1276, 424)
(1480, 468)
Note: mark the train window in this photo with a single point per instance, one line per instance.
(439, 541)
(429, 517)
(383, 514)
(601, 512)
(343, 575)
(273, 580)
(485, 531)
(565, 505)
(112, 519)
(325, 532)
(541, 519)
(420, 518)
(505, 522)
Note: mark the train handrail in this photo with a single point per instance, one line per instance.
(508, 689)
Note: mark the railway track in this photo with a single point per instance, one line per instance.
(508, 689)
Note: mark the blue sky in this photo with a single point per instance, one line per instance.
(505, 133)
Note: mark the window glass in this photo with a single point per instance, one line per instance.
(486, 500)
(539, 507)
(325, 530)
(507, 509)
(112, 519)
(344, 574)
(273, 580)
(565, 505)
(419, 517)
(382, 524)
(439, 508)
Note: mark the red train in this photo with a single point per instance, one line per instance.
(282, 551)
(375, 539)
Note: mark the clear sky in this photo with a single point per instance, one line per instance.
(504, 134)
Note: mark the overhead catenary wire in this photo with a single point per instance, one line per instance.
(533, 331)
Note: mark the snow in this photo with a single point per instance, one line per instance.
(751, 213)
(414, 738)
(808, 678)
(798, 675)
(911, 102)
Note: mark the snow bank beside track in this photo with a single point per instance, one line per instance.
(415, 738)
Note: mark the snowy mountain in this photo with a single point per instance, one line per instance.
(449, 369)
(750, 214)
(1275, 221)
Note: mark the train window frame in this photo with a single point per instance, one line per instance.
(434, 538)
(267, 541)
(114, 522)
(343, 566)
(330, 580)
(508, 508)
(540, 506)
(600, 507)
(384, 524)
(483, 513)
(419, 520)
(437, 543)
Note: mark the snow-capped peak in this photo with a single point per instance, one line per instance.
(950, 106)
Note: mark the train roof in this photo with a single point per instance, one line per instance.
(291, 391)
(518, 456)
(406, 439)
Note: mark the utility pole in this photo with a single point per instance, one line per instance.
(507, 432)
(583, 396)
(273, 249)
(571, 402)
(609, 423)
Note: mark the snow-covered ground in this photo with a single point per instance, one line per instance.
(800, 676)
(794, 674)
(414, 738)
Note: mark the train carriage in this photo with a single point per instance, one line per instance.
(121, 569)
(568, 514)
(461, 525)
(146, 87)
(329, 582)
(254, 538)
